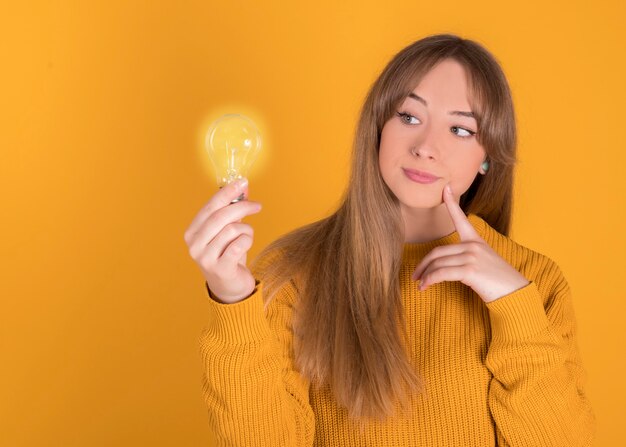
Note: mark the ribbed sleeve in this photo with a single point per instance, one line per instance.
(537, 395)
(254, 394)
(518, 315)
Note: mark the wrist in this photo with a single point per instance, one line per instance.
(227, 300)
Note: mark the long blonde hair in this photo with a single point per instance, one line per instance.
(348, 324)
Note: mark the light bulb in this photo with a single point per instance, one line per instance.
(233, 142)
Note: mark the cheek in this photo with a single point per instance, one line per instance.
(465, 174)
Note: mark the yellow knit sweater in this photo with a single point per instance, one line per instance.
(506, 373)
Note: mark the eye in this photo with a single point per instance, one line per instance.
(403, 116)
(469, 133)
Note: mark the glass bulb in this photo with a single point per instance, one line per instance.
(233, 142)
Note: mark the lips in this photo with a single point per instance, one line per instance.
(420, 176)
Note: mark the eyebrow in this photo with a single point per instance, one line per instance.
(454, 112)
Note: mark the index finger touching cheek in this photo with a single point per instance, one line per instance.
(461, 223)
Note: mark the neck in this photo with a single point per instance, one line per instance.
(426, 224)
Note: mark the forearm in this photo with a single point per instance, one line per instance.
(253, 395)
(537, 393)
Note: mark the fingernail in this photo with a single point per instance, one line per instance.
(448, 189)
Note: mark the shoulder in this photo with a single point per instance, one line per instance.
(535, 266)
(264, 260)
(271, 269)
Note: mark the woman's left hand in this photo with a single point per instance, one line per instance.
(472, 261)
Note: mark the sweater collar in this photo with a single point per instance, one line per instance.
(417, 250)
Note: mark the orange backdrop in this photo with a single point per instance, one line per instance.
(104, 104)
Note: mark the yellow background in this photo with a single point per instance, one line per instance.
(104, 104)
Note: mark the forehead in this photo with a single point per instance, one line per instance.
(446, 84)
(446, 79)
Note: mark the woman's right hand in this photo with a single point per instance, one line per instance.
(218, 242)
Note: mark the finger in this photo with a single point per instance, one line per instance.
(442, 250)
(217, 221)
(449, 273)
(245, 197)
(463, 226)
(216, 247)
(445, 261)
(229, 261)
(220, 199)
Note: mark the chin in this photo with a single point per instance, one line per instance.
(421, 202)
(427, 198)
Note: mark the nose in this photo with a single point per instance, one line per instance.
(426, 147)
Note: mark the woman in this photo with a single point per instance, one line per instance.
(408, 317)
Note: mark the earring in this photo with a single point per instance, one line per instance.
(485, 166)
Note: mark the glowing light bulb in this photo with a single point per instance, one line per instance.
(233, 142)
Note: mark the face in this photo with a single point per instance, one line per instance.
(425, 135)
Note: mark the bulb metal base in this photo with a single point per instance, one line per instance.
(238, 199)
